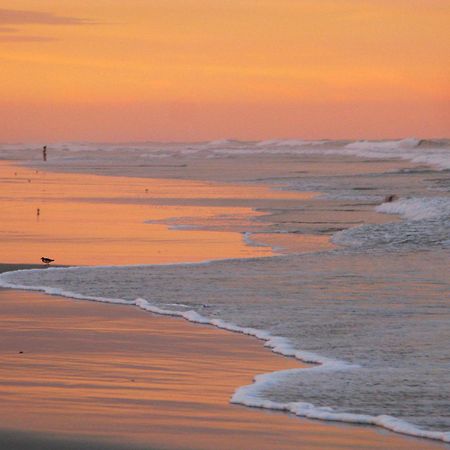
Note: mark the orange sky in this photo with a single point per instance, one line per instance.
(115, 70)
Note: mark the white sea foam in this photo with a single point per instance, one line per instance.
(247, 238)
(289, 143)
(408, 149)
(252, 395)
(425, 227)
(433, 153)
(222, 142)
(417, 208)
(328, 304)
(384, 145)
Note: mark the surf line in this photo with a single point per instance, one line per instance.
(251, 395)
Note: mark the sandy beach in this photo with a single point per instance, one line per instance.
(85, 219)
(99, 376)
(78, 374)
(224, 225)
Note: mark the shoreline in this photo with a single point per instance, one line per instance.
(93, 220)
(127, 340)
(247, 395)
(234, 330)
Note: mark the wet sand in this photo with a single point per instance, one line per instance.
(94, 375)
(96, 220)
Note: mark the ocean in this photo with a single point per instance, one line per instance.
(371, 313)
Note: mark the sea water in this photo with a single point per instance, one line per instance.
(372, 314)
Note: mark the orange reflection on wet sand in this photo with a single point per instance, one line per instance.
(114, 372)
(95, 220)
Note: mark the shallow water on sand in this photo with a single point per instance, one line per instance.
(89, 219)
(375, 309)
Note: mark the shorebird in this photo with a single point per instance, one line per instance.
(46, 260)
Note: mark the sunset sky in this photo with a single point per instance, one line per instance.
(115, 70)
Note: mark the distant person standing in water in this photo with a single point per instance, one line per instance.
(44, 153)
